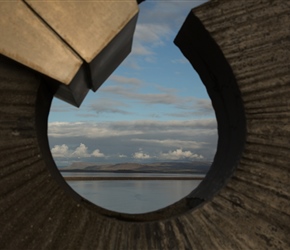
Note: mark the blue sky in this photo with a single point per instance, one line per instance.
(152, 108)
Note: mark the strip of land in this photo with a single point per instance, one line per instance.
(124, 178)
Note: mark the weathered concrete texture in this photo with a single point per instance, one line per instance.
(251, 212)
(254, 208)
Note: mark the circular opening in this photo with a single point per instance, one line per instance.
(149, 133)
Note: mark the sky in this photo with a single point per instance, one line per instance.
(154, 106)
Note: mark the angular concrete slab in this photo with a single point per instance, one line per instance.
(87, 26)
(101, 32)
(27, 39)
(75, 45)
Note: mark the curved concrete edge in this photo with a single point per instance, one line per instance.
(207, 59)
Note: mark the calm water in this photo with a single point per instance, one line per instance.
(133, 196)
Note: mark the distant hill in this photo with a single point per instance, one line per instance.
(158, 167)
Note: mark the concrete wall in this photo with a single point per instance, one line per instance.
(250, 211)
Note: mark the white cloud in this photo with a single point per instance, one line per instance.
(180, 60)
(179, 154)
(167, 98)
(149, 35)
(87, 129)
(103, 105)
(126, 80)
(64, 108)
(97, 153)
(80, 151)
(158, 22)
(132, 63)
(152, 33)
(141, 155)
(167, 12)
(141, 50)
(126, 128)
(171, 142)
(63, 151)
(60, 151)
(118, 141)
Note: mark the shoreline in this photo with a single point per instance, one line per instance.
(125, 178)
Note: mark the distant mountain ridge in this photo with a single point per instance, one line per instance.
(158, 167)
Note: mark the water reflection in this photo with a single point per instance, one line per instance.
(134, 196)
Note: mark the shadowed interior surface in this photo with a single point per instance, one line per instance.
(251, 210)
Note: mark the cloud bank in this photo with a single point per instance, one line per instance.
(129, 141)
(63, 151)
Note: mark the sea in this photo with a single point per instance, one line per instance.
(133, 196)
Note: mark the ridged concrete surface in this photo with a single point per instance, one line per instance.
(251, 212)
